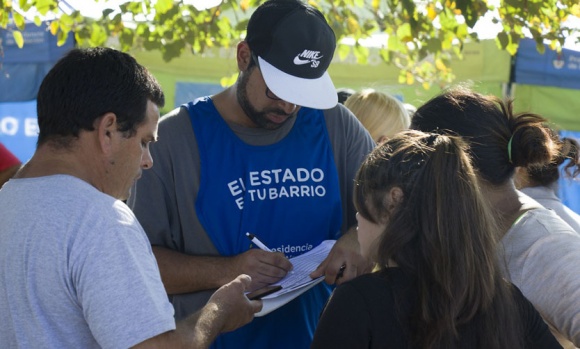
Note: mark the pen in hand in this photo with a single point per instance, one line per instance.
(257, 242)
(340, 272)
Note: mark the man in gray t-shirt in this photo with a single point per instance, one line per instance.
(77, 270)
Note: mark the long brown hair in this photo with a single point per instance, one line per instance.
(443, 235)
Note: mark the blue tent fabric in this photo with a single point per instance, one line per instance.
(21, 73)
(548, 69)
(19, 82)
(22, 69)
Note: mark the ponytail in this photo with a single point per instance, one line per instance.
(443, 235)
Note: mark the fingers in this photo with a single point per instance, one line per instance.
(344, 263)
(277, 260)
(332, 268)
(340, 272)
(320, 270)
(346, 272)
(281, 261)
(256, 305)
(263, 266)
(335, 272)
(274, 264)
(245, 280)
(232, 305)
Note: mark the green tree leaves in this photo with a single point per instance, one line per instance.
(422, 36)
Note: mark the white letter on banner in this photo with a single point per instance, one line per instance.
(31, 127)
(9, 126)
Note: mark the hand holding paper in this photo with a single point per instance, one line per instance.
(344, 259)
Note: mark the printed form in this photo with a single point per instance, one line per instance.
(303, 265)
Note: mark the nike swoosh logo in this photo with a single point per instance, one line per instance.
(299, 61)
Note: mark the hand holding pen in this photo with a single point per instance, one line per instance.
(264, 266)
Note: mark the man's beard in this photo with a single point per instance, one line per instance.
(258, 118)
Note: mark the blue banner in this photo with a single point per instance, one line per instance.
(186, 92)
(22, 69)
(19, 128)
(548, 69)
(40, 46)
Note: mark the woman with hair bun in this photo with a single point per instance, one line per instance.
(541, 253)
(541, 182)
(437, 282)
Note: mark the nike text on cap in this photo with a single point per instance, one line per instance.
(295, 46)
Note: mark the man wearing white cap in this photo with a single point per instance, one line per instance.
(274, 155)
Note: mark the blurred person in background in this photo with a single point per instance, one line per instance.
(381, 114)
(541, 182)
(343, 94)
(411, 109)
(9, 164)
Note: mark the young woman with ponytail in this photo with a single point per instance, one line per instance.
(540, 252)
(437, 282)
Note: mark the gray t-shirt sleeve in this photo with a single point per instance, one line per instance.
(351, 143)
(150, 202)
(551, 280)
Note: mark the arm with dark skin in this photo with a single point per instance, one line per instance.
(182, 273)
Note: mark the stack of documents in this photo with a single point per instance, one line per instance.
(298, 280)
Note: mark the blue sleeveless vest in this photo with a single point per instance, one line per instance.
(285, 193)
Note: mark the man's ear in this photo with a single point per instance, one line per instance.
(244, 55)
(106, 126)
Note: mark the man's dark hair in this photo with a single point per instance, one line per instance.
(87, 83)
(343, 93)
